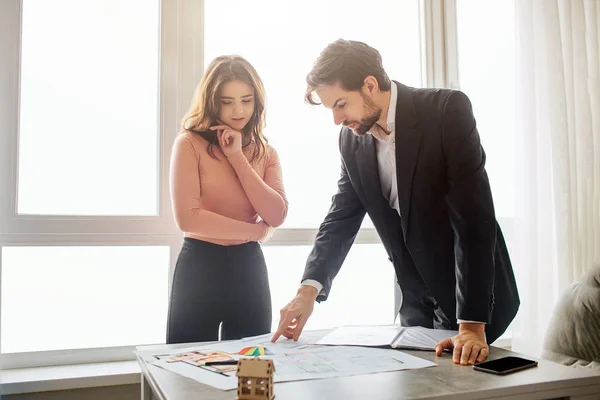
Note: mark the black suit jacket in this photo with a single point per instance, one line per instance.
(447, 229)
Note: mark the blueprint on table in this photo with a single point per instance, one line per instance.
(294, 361)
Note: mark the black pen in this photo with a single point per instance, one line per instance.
(228, 362)
(216, 371)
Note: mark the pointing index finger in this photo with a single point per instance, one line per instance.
(283, 324)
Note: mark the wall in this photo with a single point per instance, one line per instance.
(121, 392)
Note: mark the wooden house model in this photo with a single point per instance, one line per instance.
(255, 379)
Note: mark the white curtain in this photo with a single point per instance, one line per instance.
(557, 223)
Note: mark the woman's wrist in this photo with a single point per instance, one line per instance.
(236, 158)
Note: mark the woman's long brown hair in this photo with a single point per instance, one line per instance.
(205, 107)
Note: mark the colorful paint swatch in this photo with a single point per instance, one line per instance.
(252, 351)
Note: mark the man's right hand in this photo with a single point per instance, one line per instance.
(295, 314)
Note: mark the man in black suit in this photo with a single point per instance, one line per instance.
(412, 160)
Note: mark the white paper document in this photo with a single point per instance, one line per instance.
(293, 361)
(394, 336)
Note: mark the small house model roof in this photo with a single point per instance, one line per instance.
(255, 368)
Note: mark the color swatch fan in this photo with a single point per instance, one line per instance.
(253, 351)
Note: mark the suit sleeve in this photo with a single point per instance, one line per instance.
(336, 235)
(471, 210)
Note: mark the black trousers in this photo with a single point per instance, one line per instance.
(419, 308)
(215, 284)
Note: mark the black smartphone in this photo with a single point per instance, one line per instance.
(505, 365)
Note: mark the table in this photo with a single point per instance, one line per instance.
(447, 381)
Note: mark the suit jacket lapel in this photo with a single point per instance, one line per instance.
(366, 156)
(408, 140)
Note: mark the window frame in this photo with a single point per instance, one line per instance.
(181, 67)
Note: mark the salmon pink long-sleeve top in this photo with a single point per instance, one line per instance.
(225, 201)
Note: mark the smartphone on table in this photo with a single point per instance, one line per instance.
(505, 365)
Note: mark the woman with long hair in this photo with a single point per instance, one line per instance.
(228, 196)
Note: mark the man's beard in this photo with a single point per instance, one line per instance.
(366, 123)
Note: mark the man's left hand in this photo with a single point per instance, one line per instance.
(469, 346)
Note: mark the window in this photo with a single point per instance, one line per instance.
(282, 42)
(363, 291)
(83, 296)
(486, 65)
(88, 132)
(87, 238)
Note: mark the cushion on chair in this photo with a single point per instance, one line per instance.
(573, 335)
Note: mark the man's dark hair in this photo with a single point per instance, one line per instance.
(348, 63)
